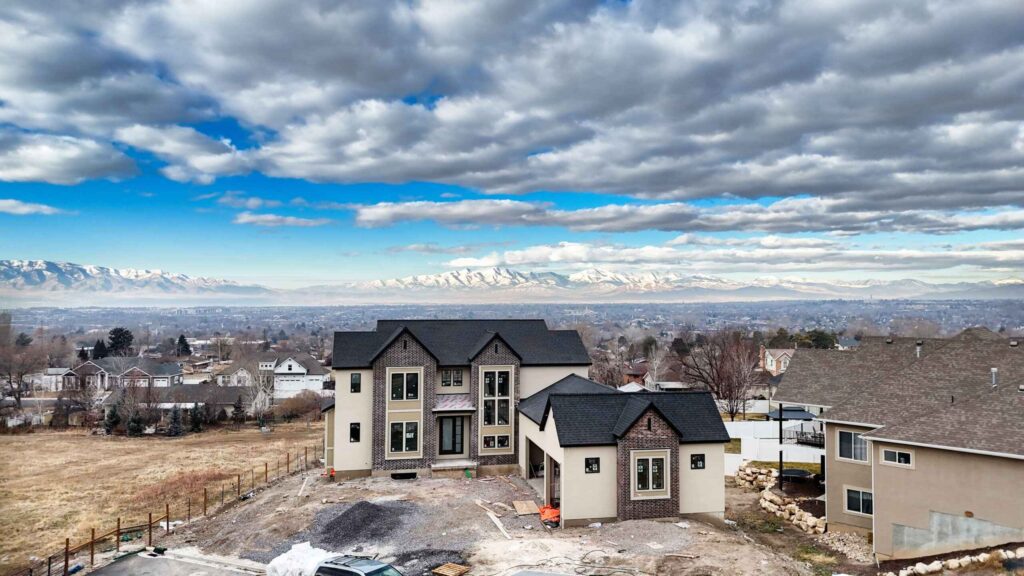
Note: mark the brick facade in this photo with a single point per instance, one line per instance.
(488, 357)
(661, 436)
(405, 351)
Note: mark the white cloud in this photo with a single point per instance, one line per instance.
(58, 159)
(19, 208)
(276, 220)
(758, 258)
(236, 199)
(789, 215)
(192, 156)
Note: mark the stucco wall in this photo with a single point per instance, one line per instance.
(349, 408)
(702, 491)
(840, 474)
(533, 379)
(589, 496)
(947, 501)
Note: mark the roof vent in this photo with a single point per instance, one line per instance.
(1013, 343)
(888, 340)
(995, 381)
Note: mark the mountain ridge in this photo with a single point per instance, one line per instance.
(42, 280)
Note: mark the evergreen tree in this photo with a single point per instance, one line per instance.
(183, 348)
(23, 340)
(111, 421)
(135, 425)
(83, 356)
(99, 350)
(238, 412)
(780, 340)
(120, 339)
(195, 418)
(174, 429)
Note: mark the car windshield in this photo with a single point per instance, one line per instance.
(385, 571)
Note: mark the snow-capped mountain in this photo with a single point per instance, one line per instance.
(44, 282)
(42, 276)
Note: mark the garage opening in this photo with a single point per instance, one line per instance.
(535, 467)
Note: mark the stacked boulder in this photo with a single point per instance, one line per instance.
(787, 509)
(756, 478)
(938, 566)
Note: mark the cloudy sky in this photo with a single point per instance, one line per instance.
(293, 144)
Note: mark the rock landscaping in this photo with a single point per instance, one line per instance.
(938, 566)
(787, 509)
(756, 478)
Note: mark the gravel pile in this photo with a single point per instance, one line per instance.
(363, 522)
(854, 546)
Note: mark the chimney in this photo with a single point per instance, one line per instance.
(917, 349)
(995, 380)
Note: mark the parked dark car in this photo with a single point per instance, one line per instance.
(355, 566)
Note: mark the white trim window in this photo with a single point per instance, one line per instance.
(651, 474)
(904, 458)
(404, 437)
(497, 393)
(451, 377)
(852, 446)
(859, 501)
(405, 385)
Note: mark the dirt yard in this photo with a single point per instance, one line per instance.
(418, 524)
(60, 484)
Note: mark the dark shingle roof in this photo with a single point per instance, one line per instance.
(454, 342)
(600, 419)
(118, 365)
(533, 406)
(185, 394)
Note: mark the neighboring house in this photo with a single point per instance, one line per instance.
(633, 387)
(118, 371)
(846, 343)
(53, 379)
(187, 395)
(416, 397)
(636, 374)
(775, 361)
(924, 439)
(293, 373)
(231, 374)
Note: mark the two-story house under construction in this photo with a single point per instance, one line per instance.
(478, 397)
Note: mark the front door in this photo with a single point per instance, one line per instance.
(450, 438)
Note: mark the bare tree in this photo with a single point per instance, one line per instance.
(724, 363)
(20, 357)
(260, 386)
(656, 360)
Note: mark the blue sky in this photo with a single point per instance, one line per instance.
(377, 140)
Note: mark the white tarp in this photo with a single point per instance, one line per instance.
(301, 560)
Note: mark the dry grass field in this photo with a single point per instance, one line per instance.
(60, 484)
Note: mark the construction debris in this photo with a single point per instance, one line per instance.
(524, 507)
(450, 569)
(499, 525)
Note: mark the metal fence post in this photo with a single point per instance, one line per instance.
(288, 463)
(252, 478)
(238, 485)
(117, 536)
(204, 501)
(150, 529)
(167, 513)
(188, 517)
(92, 548)
(67, 553)
(266, 473)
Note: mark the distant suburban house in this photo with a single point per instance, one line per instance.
(775, 361)
(634, 373)
(846, 343)
(451, 397)
(231, 374)
(119, 371)
(293, 372)
(187, 395)
(924, 439)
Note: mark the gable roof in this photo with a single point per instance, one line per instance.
(455, 342)
(533, 406)
(941, 398)
(118, 365)
(601, 419)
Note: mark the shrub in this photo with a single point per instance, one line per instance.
(174, 428)
(303, 403)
